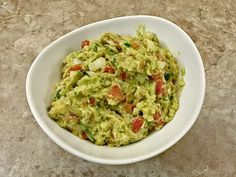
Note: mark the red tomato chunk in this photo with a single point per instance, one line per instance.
(92, 101)
(84, 135)
(116, 92)
(109, 69)
(123, 76)
(85, 43)
(76, 68)
(137, 124)
(157, 118)
(159, 87)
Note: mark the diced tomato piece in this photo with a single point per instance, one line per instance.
(135, 45)
(92, 101)
(157, 118)
(76, 68)
(128, 107)
(123, 75)
(159, 84)
(116, 92)
(84, 43)
(159, 87)
(137, 124)
(84, 135)
(109, 69)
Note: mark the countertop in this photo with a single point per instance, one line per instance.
(27, 26)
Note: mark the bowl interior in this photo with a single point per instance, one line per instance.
(45, 72)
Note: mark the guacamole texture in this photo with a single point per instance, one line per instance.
(117, 89)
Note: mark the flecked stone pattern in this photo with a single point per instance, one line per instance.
(27, 26)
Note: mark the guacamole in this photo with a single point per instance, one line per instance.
(117, 89)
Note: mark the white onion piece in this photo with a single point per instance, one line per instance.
(99, 63)
(161, 64)
(76, 61)
(91, 73)
(73, 73)
(111, 42)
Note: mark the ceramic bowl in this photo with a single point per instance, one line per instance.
(45, 72)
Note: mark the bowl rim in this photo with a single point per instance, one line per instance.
(100, 160)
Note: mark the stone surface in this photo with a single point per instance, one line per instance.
(27, 26)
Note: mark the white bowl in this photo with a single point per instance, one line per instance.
(45, 72)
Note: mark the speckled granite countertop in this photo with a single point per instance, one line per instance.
(27, 26)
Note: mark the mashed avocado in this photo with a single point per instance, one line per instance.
(118, 89)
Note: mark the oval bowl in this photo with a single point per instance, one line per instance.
(45, 72)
